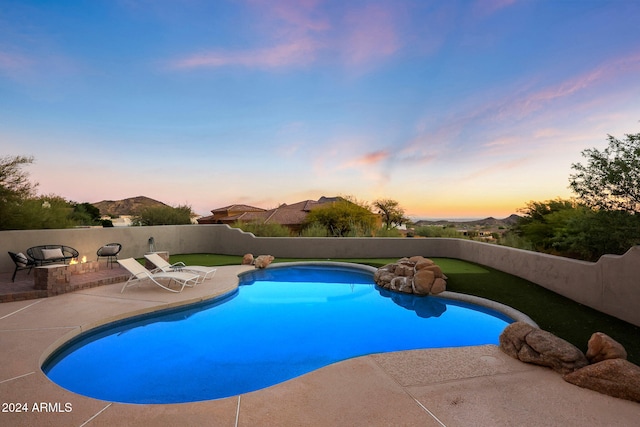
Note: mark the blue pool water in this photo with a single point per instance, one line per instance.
(281, 323)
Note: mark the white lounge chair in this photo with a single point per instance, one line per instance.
(139, 274)
(162, 265)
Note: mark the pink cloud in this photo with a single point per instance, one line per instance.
(39, 70)
(290, 30)
(371, 34)
(14, 64)
(500, 142)
(296, 33)
(489, 7)
(369, 159)
(432, 143)
(608, 72)
(538, 108)
(296, 52)
(304, 15)
(498, 168)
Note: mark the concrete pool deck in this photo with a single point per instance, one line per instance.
(468, 386)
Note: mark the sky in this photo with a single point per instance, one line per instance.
(455, 109)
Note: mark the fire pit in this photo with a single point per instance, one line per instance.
(57, 278)
(83, 266)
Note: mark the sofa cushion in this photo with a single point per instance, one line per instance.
(52, 254)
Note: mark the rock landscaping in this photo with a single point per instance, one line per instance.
(602, 347)
(615, 377)
(603, 369)
(261, 261)
(529, 344)
(415, 275)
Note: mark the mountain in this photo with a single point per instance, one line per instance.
(509, 221)
(130, 206)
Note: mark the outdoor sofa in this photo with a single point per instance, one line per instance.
(50, 254)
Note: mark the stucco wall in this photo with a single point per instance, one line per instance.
(612, 285)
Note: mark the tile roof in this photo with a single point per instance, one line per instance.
(238, 208)
(293, 214)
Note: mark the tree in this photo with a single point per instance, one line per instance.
(85, 214)
(342, 218)
(391, 212)
(14, 183)
(164, 215)
(45, 212)
(598, 232)
(611, 178)
(544, 221)
(571, 229)
(15, 188)
(22, 209)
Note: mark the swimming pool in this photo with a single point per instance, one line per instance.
(279, 324)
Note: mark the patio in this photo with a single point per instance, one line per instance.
(452, 387)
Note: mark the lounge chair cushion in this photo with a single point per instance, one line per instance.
(21, 260)
(52, 253)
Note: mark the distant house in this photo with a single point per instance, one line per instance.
(292, 216)
(231, 214)
(120, 221)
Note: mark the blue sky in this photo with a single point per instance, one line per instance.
(453, 108)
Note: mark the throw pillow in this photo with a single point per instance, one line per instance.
(108, 250)
(22, 260)
(52, 253)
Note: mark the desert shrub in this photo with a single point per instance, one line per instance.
(260, 229)
(512, 240)
(314, 230)
(437, 231)
(164, 215)
(44, 212)
(392, 232)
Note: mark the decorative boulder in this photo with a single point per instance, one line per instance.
(405, 270)
(415, 275)
(424, 262)
(383, 276)
(439, 286)
(437, 271)
(423, 282)
(263, 260)
(614, 377)
(247, 259)
(401, 284)
(602, 347)
(532, 345)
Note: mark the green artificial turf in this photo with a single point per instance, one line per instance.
(552, 312)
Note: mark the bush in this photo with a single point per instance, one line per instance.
(512, 240)
(45, 212)
(164, 215)
(565, 228)
(343, 219)
(314, 230)
(437, 231)
(106, 223)
(260, 229)
(392, 232)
